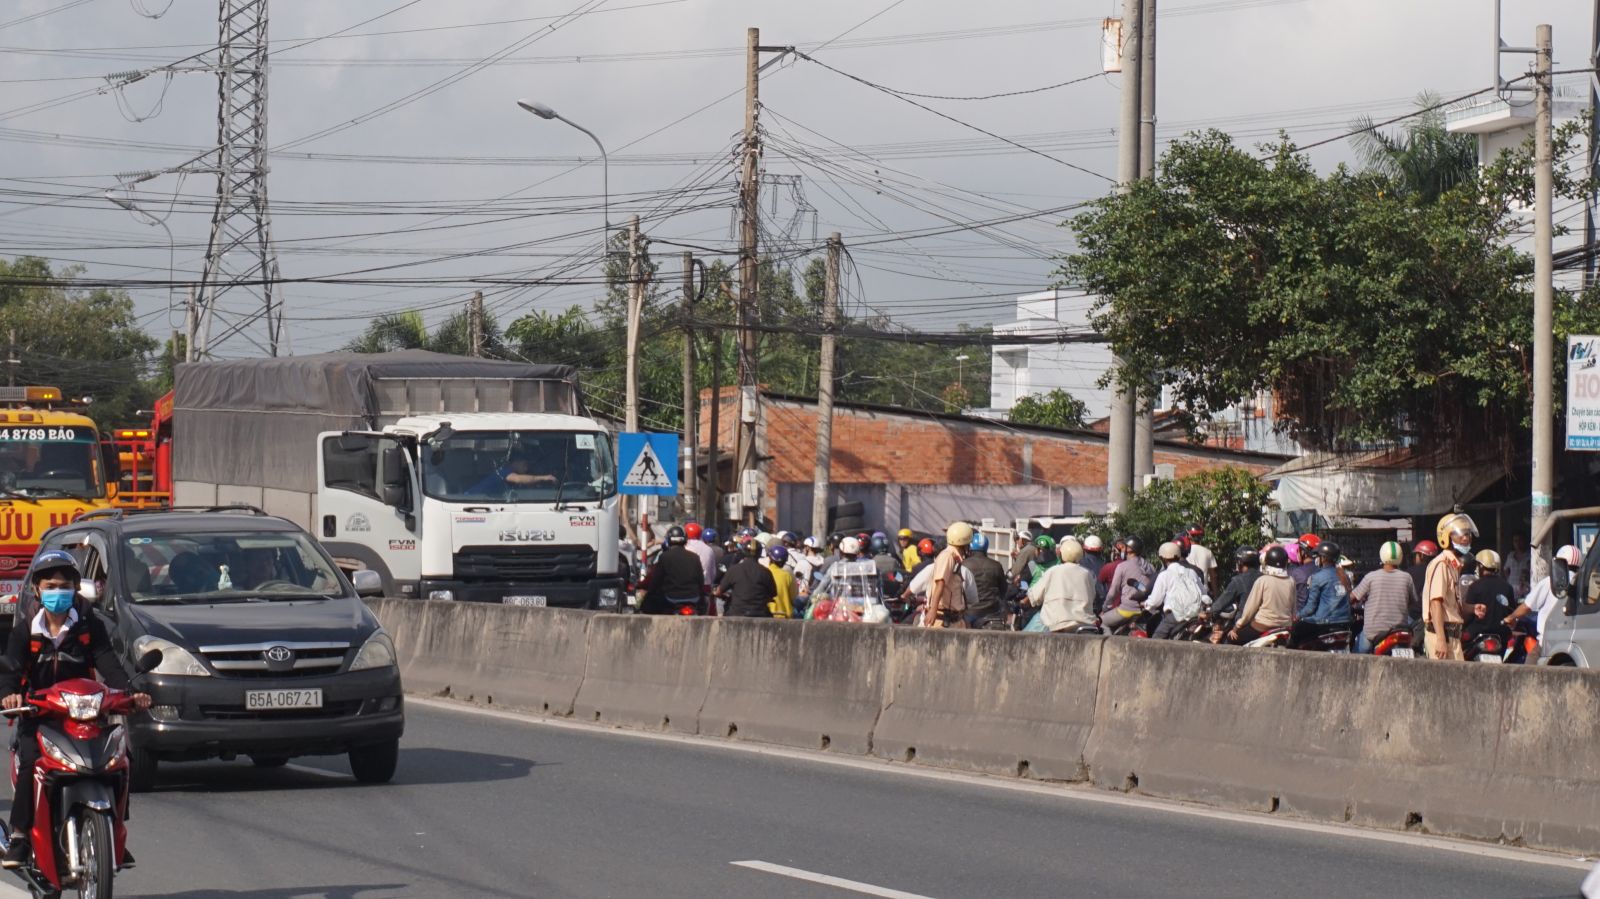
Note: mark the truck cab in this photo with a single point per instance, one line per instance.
(516, 508)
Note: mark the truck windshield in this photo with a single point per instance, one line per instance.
(519, 467)
(50, 460)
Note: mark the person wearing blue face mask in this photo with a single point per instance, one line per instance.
(61, 643)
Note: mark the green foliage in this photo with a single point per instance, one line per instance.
(1056, 409)
(407, 331)
(1230, 503)
(87, 342)
(1425, 159)
(1374, 313)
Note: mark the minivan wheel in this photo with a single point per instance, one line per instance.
(375, 763)
(141, 769)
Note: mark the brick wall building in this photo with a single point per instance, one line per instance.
(919, 470)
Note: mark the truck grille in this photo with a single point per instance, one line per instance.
(525, 563)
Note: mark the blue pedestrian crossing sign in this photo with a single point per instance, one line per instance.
(648, 463)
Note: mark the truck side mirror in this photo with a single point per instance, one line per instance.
(393, 488)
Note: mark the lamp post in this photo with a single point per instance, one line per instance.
(545, 112)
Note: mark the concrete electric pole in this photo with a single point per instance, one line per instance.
(475, 323)
(749, 299)
(691, 423)
(1149, 395)
(830, 324)
(1119, 450)
(635, 305)
(1544, 457)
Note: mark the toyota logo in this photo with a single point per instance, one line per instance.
(278, 654)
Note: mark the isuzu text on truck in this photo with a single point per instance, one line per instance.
(452, 477)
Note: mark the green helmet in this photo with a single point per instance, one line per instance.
(1045, 543)
(1391, 553)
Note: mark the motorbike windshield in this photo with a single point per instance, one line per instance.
(50, 460)
(519, 467)
(222, 567)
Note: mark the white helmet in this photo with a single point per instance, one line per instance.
(811, 543)
(1570, 555)
(1169, 551)
(1092, 543)
(850, 546)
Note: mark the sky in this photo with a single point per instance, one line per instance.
(458, 183)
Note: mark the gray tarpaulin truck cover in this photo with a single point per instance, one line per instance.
(254, 422)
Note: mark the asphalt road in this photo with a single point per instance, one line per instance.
(499, 807)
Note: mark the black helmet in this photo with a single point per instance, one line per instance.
(880, 544)
(752, 548)
(1277, 557)
(1134, 545)
(676, 536)
(1329, 552)
(1249, 558)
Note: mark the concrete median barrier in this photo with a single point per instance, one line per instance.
(1000, 703)
(813, 685)
(504, 655)
(646, 672)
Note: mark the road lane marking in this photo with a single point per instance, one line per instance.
(1058, 791)
(855, 886)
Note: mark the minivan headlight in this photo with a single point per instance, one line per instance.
(377, 652)
(174, 658)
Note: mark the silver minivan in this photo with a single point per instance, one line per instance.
(1573, 633)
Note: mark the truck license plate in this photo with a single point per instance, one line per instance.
(275, 700)
(537, 602)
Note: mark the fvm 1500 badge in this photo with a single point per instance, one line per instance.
(526, 535)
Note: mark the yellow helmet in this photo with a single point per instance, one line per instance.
(1488, 559)
(1456, 524)
(906, 533)
(958, 534)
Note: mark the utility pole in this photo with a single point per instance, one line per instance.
(749, 298)
(1119, 449)
(1544, 457)
(634, 515)
(1591, 263)
(475, 323)
(191, 322)
(1144, 446)
(713, 445)
(691, 423)
(822, 474)
(11, 357)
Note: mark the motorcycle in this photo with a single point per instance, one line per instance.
(79, 838)
(1489, 647)
(1399, 642)
(1329, 641)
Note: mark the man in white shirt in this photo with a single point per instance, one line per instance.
(1542, 600)
(1177, 593)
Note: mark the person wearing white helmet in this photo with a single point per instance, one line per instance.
(1177, 593)
(1441, 594)
(804, 562)
(947, 598)
(1386, 597)
(1092, 560)
(1547, 595)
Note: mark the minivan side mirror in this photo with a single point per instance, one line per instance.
(148, 662)
(367, 582)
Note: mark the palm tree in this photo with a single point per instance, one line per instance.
(1425, 159)
(407, 331)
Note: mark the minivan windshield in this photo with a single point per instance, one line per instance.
(226, 566)
(519, 466)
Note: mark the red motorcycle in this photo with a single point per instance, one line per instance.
(80, 786)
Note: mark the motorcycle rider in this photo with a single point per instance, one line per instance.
(1421, 554)
(776, 560)
(675, 580)
(61, 643)
(1065, 593)
(988, 579)
(947, 598)
(1271, 601)
(888, 565)
(1441, 596)
(909, 557)
(699, 543)
(1386, 596)
(1488, 601)
(749, 585)
(926, 551)
(1178, 592)
(1302, 565)
(1129, 584)
(1247, 570)
(1022, 562)
(1327, 606)
(1544, 598)
(1203, 559)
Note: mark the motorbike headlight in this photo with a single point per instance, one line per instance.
(82, 706)
(58, 755)
(174, 658)
(377, 652)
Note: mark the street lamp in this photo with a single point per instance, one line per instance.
(545, 112)
(961, 371)
(172, 257)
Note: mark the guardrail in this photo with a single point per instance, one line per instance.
(1479, 751)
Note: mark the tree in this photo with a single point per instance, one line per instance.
(1230, 503)
(407, 331)
(1425, 159)
(1056, 409)
(87, 342)
(1372, 315)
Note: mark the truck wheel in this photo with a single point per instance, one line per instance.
(141, 769)
(375, 763)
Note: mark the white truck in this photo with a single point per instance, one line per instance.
(453, 478)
